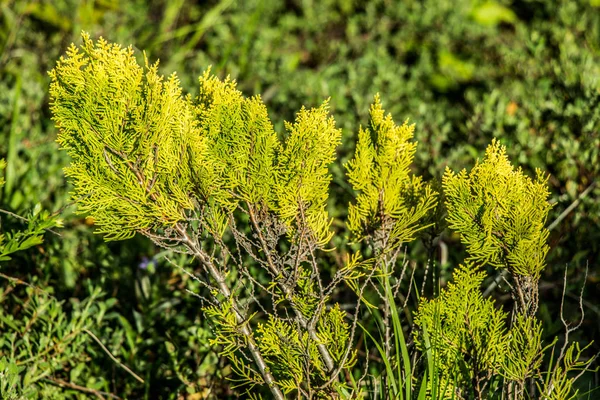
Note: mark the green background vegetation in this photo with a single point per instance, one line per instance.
(525, 71)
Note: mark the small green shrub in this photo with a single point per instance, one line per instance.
(208, 176)
(46, 345)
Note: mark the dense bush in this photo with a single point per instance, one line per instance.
(523, 71)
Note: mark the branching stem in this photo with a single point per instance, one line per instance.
(289, 293)
(201, 256)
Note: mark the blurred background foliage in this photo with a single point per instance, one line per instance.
(524, 71)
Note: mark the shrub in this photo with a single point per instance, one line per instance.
(46, 345)
(208, 176)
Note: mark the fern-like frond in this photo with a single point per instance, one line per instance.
(303, 165)
(390, 198)
(131, 135)
(500, 213)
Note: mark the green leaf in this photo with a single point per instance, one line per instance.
(491, 13)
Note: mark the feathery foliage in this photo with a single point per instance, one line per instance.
(147, 159)
(392, 206)
(241, 142)
(477, 354)
(303, 163)
(390, 202)
(500, 213)
(466, 334)
(131, 136)
(209, 177)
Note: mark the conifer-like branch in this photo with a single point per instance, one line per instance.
(138, 154)
(209, 177)
(500, 214)
(199, 254)
(176, 169)
(391, 204)
(289, 291)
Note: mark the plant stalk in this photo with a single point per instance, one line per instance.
(244, 329)
(288, 292)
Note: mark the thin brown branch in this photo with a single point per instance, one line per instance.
(201, 256)
(119, 363)
(98, 393)
(289, 292)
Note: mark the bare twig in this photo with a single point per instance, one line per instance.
(289, 291)
(113, 357)
(64, 384)
(570, 328)
(398, 284)
(572, 206)
(427, 265)
(410, 285)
